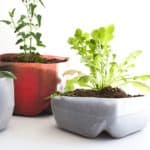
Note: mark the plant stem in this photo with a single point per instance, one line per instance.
(13, 23)
(30, 25)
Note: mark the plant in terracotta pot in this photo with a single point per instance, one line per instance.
(94, 102)
(36, 74)
(6, 98)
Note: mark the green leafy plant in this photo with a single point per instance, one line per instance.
(104, 70)
(7, 74)
(25, 28)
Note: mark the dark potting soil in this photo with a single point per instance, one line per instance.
(107, 92)
(32, 58)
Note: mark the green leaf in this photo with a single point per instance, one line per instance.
(71, 40)
(32, 8)
(113, 68)
(131, 66)
(32, 48)
(21, 34)
(83, 80)
(37, 36)
(70, 85)
(92, 44)
(21, 19)
(24, 35)
(131, 57)
(98, 34)
(11, 13)
(103, 34)
(20, 26)
(27, 35)
(141, 86)
(6, 22)
(40, 43)
(142, 77)
(24, 47)
(109, 33)
(39, 20)
(78, 33)
(42, 3)
(7, 74)
(19, 41)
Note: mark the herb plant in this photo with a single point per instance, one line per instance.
(26, 27)
(104, 70)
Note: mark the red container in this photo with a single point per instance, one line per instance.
(35, 81)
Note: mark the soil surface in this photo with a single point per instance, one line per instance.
(32, 58)
(107, 92)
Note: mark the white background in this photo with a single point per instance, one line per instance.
(62, 17)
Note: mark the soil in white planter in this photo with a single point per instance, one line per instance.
(107, 92)
(6, 101)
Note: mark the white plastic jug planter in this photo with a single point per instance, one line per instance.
(6, 101)
(90, 116)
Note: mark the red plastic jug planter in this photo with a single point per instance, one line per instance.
(35, 81)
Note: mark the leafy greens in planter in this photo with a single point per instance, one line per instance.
(26, 28)
(97, 56)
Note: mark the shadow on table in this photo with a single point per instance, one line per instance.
(103, 136)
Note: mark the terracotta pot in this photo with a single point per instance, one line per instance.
(35, 81)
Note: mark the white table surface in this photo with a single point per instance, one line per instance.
(41, 133)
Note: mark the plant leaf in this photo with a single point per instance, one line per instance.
(19, 41)
(24, 47)
(83, 80)
(39, 20)
(109, 33)
(78, 33)
(98, 34)
(92, 44)
(27, 35)
(131, 57)
(32, 48)
(112, 71)
(6, 22)
(71, 40)
(21, 34)
(142, 77)
(21, 19)
(141, 86)
(103, 34)
(42, 3)
(70, 84)
(11, 13)
(40, 43)
(37, 36)
(32, 8)
(20, 26)
(7, 74)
